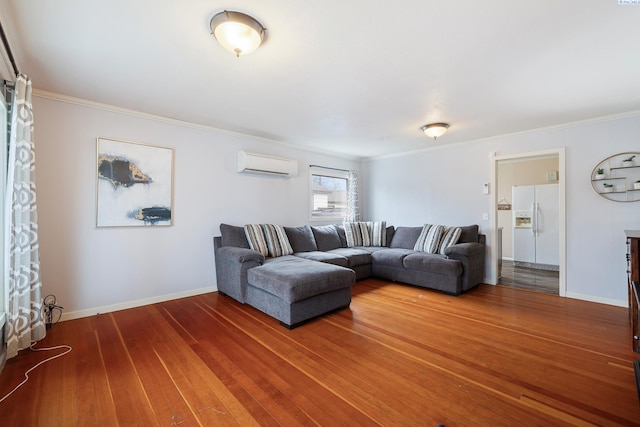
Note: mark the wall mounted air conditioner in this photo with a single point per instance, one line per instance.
(263, 164)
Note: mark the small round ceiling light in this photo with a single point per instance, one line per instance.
(435, 130)
(237, 32)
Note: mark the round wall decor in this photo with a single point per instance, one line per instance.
(617, 177)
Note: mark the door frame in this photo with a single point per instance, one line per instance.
(560, 152)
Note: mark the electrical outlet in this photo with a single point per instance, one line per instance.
(485, 216)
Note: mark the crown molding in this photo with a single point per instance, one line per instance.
(146, 116)
(175, 122)
(577, 123)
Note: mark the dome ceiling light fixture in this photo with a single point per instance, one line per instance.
(237, 32)
(434, 130)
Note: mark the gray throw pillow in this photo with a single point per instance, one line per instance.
(469, 234)
(342, 234)
(327, 237)
(391, 230)
(405, 237)
(301, 239)
(233, 236)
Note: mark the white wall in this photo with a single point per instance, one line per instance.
(93, 269)
(445, 186)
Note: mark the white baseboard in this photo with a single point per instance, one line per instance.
(601, 300)
(153, 300)
(132, 304)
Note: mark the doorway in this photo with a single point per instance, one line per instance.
(540, 169)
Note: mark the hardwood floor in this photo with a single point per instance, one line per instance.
(399, 355)
(530, 278)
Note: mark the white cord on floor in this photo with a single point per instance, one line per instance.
(26, 374)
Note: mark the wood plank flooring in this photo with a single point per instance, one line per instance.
(399, 356)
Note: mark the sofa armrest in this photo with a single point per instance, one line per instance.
(232, 265)
(233, 253)
(463, 249)
(471, 255)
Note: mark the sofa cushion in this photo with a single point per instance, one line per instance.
(357, 234)
(233, 235)
(277, 241)
(328, 257)
(432, 263)
(450, 237)
(371, 249)
(429, 239)
(405, 237)
(295, 279)
(255, 237)
(326, 236)
(391, 257)
(354, 256)
(341, 233)
(301, 238)
(390, 232)
(469, 234)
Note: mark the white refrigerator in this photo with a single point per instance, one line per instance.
(536, 231)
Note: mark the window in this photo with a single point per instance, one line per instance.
(328, 199)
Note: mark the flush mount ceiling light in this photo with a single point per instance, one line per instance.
(434, 130)
(237, 32)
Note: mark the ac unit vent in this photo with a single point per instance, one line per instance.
(263, 164)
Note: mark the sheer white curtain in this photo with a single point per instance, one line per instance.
(24, 316)
(353, 204)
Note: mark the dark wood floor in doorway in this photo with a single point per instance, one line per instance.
(531, 279)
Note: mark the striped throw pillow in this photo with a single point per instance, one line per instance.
(255, 237)
(277, 240)
(429, 239)
(357, 234)
(450, 237)
(378, 233)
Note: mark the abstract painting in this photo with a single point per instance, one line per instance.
(134, 184)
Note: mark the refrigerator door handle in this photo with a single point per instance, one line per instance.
(534, 219)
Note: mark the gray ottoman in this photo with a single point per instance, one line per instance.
(294, 290)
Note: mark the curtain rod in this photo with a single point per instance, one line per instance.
(7, 48)
(325, 167)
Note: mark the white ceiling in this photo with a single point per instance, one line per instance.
(356, 77)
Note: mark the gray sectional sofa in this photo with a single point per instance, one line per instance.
(320, 265)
